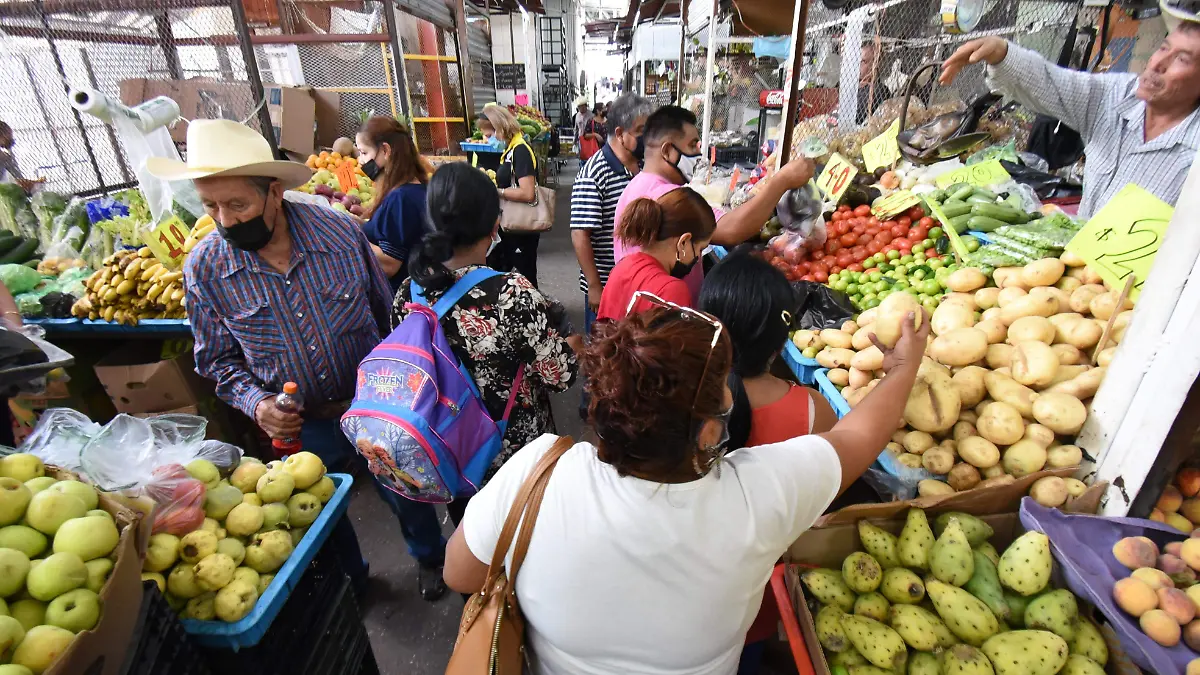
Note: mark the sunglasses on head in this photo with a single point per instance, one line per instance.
(686, 313)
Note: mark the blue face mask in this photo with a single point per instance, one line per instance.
(496, 143)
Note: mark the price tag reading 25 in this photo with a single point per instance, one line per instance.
(166, 240)
(837, 175)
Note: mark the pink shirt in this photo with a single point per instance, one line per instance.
(652, 186)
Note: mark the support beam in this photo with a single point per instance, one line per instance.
(252, 75)
(166, 38)
(791, 105)
(710, 60)
(683, 37)
(389, 17)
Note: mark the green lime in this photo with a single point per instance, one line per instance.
(935, 233)
(893, 255)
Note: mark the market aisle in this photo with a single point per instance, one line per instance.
(411, 636)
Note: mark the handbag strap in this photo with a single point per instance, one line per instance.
(527, 502)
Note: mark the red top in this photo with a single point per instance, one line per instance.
(773, 423)
(639, 272)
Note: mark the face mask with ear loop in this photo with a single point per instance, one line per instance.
(686, 174)
(681, 269)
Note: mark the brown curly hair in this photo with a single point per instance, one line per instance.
(645, 373)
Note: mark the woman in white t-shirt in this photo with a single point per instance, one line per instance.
(651, 550)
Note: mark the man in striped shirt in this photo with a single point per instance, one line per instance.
(594, 197)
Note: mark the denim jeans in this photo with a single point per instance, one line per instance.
(418, 521)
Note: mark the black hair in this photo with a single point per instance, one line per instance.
(463, 207)
(750, 298)
(667, 120)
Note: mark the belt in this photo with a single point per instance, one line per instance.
(330, 410)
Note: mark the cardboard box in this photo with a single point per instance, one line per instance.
(137, 385)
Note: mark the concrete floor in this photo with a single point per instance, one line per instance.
(411, 636)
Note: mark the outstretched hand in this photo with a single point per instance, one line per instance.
(989, 49)
(910, 348)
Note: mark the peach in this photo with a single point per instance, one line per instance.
(1157, 516)
(1134, 596)
(1171, 564)
(1161, 627)
(1170, 500)
(1193, 667)
(1191, 635)
(1190, 509)
(1149, 542)
(1180, 523)
(1193, 592)
(1190, 553)
(1133, 552)
(1176, 603)
(1173, 548)
(1154, 578)
(1188, 480)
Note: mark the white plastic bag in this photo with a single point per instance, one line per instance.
(121, 455)
(59, 436)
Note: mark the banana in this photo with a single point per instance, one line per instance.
(148, 271)
(177, 295)
(108, 312)
(133, 268)
(170, 276)
(125, 287)
(154, 291)
(145, 252)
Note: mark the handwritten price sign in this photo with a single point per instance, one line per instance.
(166, 240)
(345, 177)
(836, 177)
(882, 150)
(982, 174)
(894, 203)
(1124, 236)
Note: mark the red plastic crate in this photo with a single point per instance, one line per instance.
(791, 625)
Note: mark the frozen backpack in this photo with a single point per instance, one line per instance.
(417, 416)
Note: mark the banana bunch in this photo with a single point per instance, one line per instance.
(129, 286)
(203, 227)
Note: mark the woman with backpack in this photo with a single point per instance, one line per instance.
(501, 325)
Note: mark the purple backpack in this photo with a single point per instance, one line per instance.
(417, 416)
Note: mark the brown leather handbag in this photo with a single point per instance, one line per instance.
(491, 634)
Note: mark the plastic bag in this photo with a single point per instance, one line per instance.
(821, 307)
(59, 437)
(121, 456)
(896, 479)
(799, 211)
(178, 499)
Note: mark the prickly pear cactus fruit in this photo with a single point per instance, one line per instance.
(985, 585)
(923, 663)
(880, 543)
(847, 658)
(951, 560)
(965, 615)
(882, 646)
(1081, 665)
(1026, 652)
(1055, 611)
(872, 606)
(965, 660)
(916, 540)
(990, 551)
(1016, 608)
(977, 531)
(920, 628)
(861, 572)
(829, 588)
(902, 587)
(828, 623)
(1026, 564)
(1089, 642)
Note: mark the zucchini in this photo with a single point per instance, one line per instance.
(998, 212)
(962, 193)
(984, 223)
(24, 251)
(980, 192)
(980, 199)
(955, 208)
(960, 223)
(8, 243)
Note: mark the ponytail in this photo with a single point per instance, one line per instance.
(427, 262)
(640, 222)
(678, 212)
(740, 414)
(463, 208)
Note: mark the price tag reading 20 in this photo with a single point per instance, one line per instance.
(837, 175)
(166, 240)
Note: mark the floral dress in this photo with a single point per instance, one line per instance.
(500, 325)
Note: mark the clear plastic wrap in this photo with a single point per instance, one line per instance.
(121, 455)
(59, 437)
(178, 499)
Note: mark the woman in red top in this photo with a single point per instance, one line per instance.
(672, 233)
(754, 301)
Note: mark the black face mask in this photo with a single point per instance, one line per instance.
(681, 269)
(248, 235)
(371, 168)
(639, 150)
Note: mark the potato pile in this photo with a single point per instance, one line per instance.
(1006, 376)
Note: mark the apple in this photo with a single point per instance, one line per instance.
(14, 566)
(11, 634)
(29, 612)
(221, 500)
(101, 513)
(275, 486)
(201, 607)
(14, 497)
(305, 468)
(23, 538)
(297, 533)
(157, 578)
(178, 521)
(49, 509)
(274, 465)
(22, 466)
(161, 552)
(75, 610)
(268, 551)
(275, 516)
(41, 647)
(246, 476)
(204, 471)
(91, 537)
(196, 546)
(244, 520)
(181, 582)
(214, 572)
(252, 498)
(246, 574)
(232, 548)
(3, 607)
(40, 483)
(86, 493)
(303, 509)
(235, 601)
(264, 581)
(57, 574)
(322, 489)
(98, 572)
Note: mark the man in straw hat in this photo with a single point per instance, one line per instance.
(288, 292)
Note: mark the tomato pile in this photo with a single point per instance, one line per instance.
(853, 237)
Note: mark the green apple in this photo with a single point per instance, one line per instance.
(303, 509)
(14, 669)
(246, 574)
(232, 548)
(214, 572)
(29, 612)
(158, 580)
(100, 513)
(275, 516)
(264, 581)
(3, 608)
(220, 501)
(22, 466)
(14, 497)
(267, 551)
(275, 486)
(161, 552)
(75, 610)
(181, 582)
(14, 567)
(41, 647)
(23, 538)
(204, 471)
(40, 483)
(11, 634)
(98, 572)
(91, 537)
(305, 468)
(195, 546)
(49, 509)
(245, 477)
(235, 601)
(322, 489)
(244, 520)
(86, 493)
(57, 574)
(201, 607)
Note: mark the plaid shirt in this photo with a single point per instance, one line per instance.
(256, 328)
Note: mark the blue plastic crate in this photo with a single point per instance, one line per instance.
(983, 237)
(248, 631)
(804, 368)
(719, 251)
(831, 393)
(477, 147)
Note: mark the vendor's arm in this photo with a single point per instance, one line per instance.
(8, 308)
(747, 220)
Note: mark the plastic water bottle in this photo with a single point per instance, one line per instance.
(290, 401)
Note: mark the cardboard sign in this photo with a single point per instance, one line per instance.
(733, 180)
(982, 174)
(836, 177)
(347, 181)
(894, 203)
(883, 150)
(1124, 236)
(166, 240)
(959, 247)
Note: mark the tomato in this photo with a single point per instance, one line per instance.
(780, 265)
(844, 257)
(905, 221)
(884, 237)
(874, 247)
(873, 230)
(918, 233)
(899, 230)
(855, 267)
(916, 212)
(849, 239)
(803, 266)
(843, 208)
(835, 269)
(931, 253)
(872, 221)
(925, 222)
(808, 277)
(901, 242)
(862, 210)
(821, 277)
(859, 252)
(864, 239)
(817, 255)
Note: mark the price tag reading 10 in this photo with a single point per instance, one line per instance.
(166, 240)
(836, 177)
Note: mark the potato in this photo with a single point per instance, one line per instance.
(1049, 491)
(911, 461)
(1063, 317)
(1065, 373)
(1004, 370)
(999, 355)
(836, 338)
(1081, 298)
(894, 448)
(933, 488)
(1062, 413)
(1121, 325)
(807, 338)
(834, 357)
(892, 312)
(1068, 355)
(1068, 284)
(1071, 259)
(1030, 305)
(850, 327)
(978, 452)
(998, 481)
(1000, 423)
(1064, 456)
(1023, 458)
(1042, 435)
(1037, 328)
(1002, 274)
(1003, 388)
(963, 430)
(959, 347)
(1090, 276)
(1075, 487)
(969, 382)
(949, 316)
(868, 317)
(840, 377)
(992, 314)
(1082, 386)
(917, 442)
(933, 404)
(869, 359)
(1062, 298)
(993, 329)
(1043, 272)
(1033, 363)
(986, 298)
(965, 299)
(1009, 295)
(968, 415)
(993, 471)
(1080, 333)
(898, 437)
(965, 280)
(862, 338)
(937, 460)
(858, 378)
(1105, 356)
(963, 476)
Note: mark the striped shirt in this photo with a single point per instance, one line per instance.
(594, 198)
(1106, 112)
(256, 328)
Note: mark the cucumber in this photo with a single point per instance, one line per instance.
(962, 193)
(937, 196)
(9, 243)
(999, 212)
(980, 192)
(24, 251)
(980, 199)
(984, 223)
(955, 187)
(959, 223)
(955, 208)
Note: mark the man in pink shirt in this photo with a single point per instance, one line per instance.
(671, 134)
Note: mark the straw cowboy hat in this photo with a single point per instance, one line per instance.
(226, 148)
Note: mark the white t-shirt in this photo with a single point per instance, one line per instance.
(625, 575)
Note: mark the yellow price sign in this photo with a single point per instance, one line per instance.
(982, 174)
(1124, 236)
(166, 240)
(959, 247)
(836, 177)
(894, 203)
(883, 150)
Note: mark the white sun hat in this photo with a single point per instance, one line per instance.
(226, 148)
(1176, 11)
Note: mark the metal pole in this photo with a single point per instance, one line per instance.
(710, 60)
(112, 133)
(166, 39)
(389, 17)
(465, 76)
(791, 103)
(257, 93)
(683, 30)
